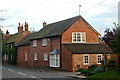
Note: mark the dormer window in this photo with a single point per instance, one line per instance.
(78, 37)
(44, 42)
(34, 43)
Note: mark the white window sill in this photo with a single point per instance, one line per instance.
(34, 45)
(44, 45)
(78, 42)
(98, 63)
(45, 60)
(54, 66)
(86, 64)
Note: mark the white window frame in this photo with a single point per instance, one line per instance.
(7, 56)
(44, 42)
(55, 59)
(84, 59)
(11, 56)
(10, 45)
(26, 56)
(34, 43)
(45, 56)
(35, 56)
(81, 37)
(4, 56)
(97, 58)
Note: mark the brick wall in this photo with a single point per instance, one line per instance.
(66, 59)
(80, 26)
(21, 55)
(52, 43)
(78, 59)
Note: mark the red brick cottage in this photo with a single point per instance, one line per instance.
(64, 44)
(9, 53)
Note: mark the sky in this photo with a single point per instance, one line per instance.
(99, 13)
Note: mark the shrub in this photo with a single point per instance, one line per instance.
(79, 70)
(98, 70)
(119, 62)
(84, 71)
(92, 66)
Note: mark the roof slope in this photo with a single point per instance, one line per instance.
(88, 48)
(14, 37)
(58, 28)
(26, 39)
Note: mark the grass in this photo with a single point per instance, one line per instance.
(109, 74)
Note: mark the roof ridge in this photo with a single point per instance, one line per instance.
(61, 20)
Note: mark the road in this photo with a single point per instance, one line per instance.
(15, 72)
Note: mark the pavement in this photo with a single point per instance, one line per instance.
(10, 71)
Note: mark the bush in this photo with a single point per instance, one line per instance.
(92, 66)
(112, 62)
(89, 70)
(79, 70)
(98, 70)
(119, 62)
(84, 71)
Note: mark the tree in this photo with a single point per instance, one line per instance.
(32, 30)
(108, 36)
(7, 32)
(115, 42)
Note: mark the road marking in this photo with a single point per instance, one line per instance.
(3, 68)
(33, 77)
(48, 73)
(21, 73)
(11, 70)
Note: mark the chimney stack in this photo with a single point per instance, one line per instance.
(26, 26)
(20, 28)
(44, 24)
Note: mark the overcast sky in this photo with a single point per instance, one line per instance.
(99, 13)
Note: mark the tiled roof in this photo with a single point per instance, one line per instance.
(26, 39)
(14, 37)
(53, 29)
(58, 28)
(88, 48)
(6, 36)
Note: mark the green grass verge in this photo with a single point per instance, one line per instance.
(109, 74)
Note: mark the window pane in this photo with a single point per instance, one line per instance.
(57, 62)
(45, 56)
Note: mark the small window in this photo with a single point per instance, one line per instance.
(11, 56)
(44, 42)
(45, 56)
(78, 37)
(35, 56)
(7, 56)
(4, 56)
(99, 58)
(11, 45)
(34, 43)
(25, 56)
(86, 60)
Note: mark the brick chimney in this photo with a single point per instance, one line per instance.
(26, 26)
(44, 24)
(20, 28)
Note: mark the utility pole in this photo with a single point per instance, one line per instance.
(0, 54)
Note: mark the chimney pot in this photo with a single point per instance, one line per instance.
(44, 24)
(19, 24)
(26, 26)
